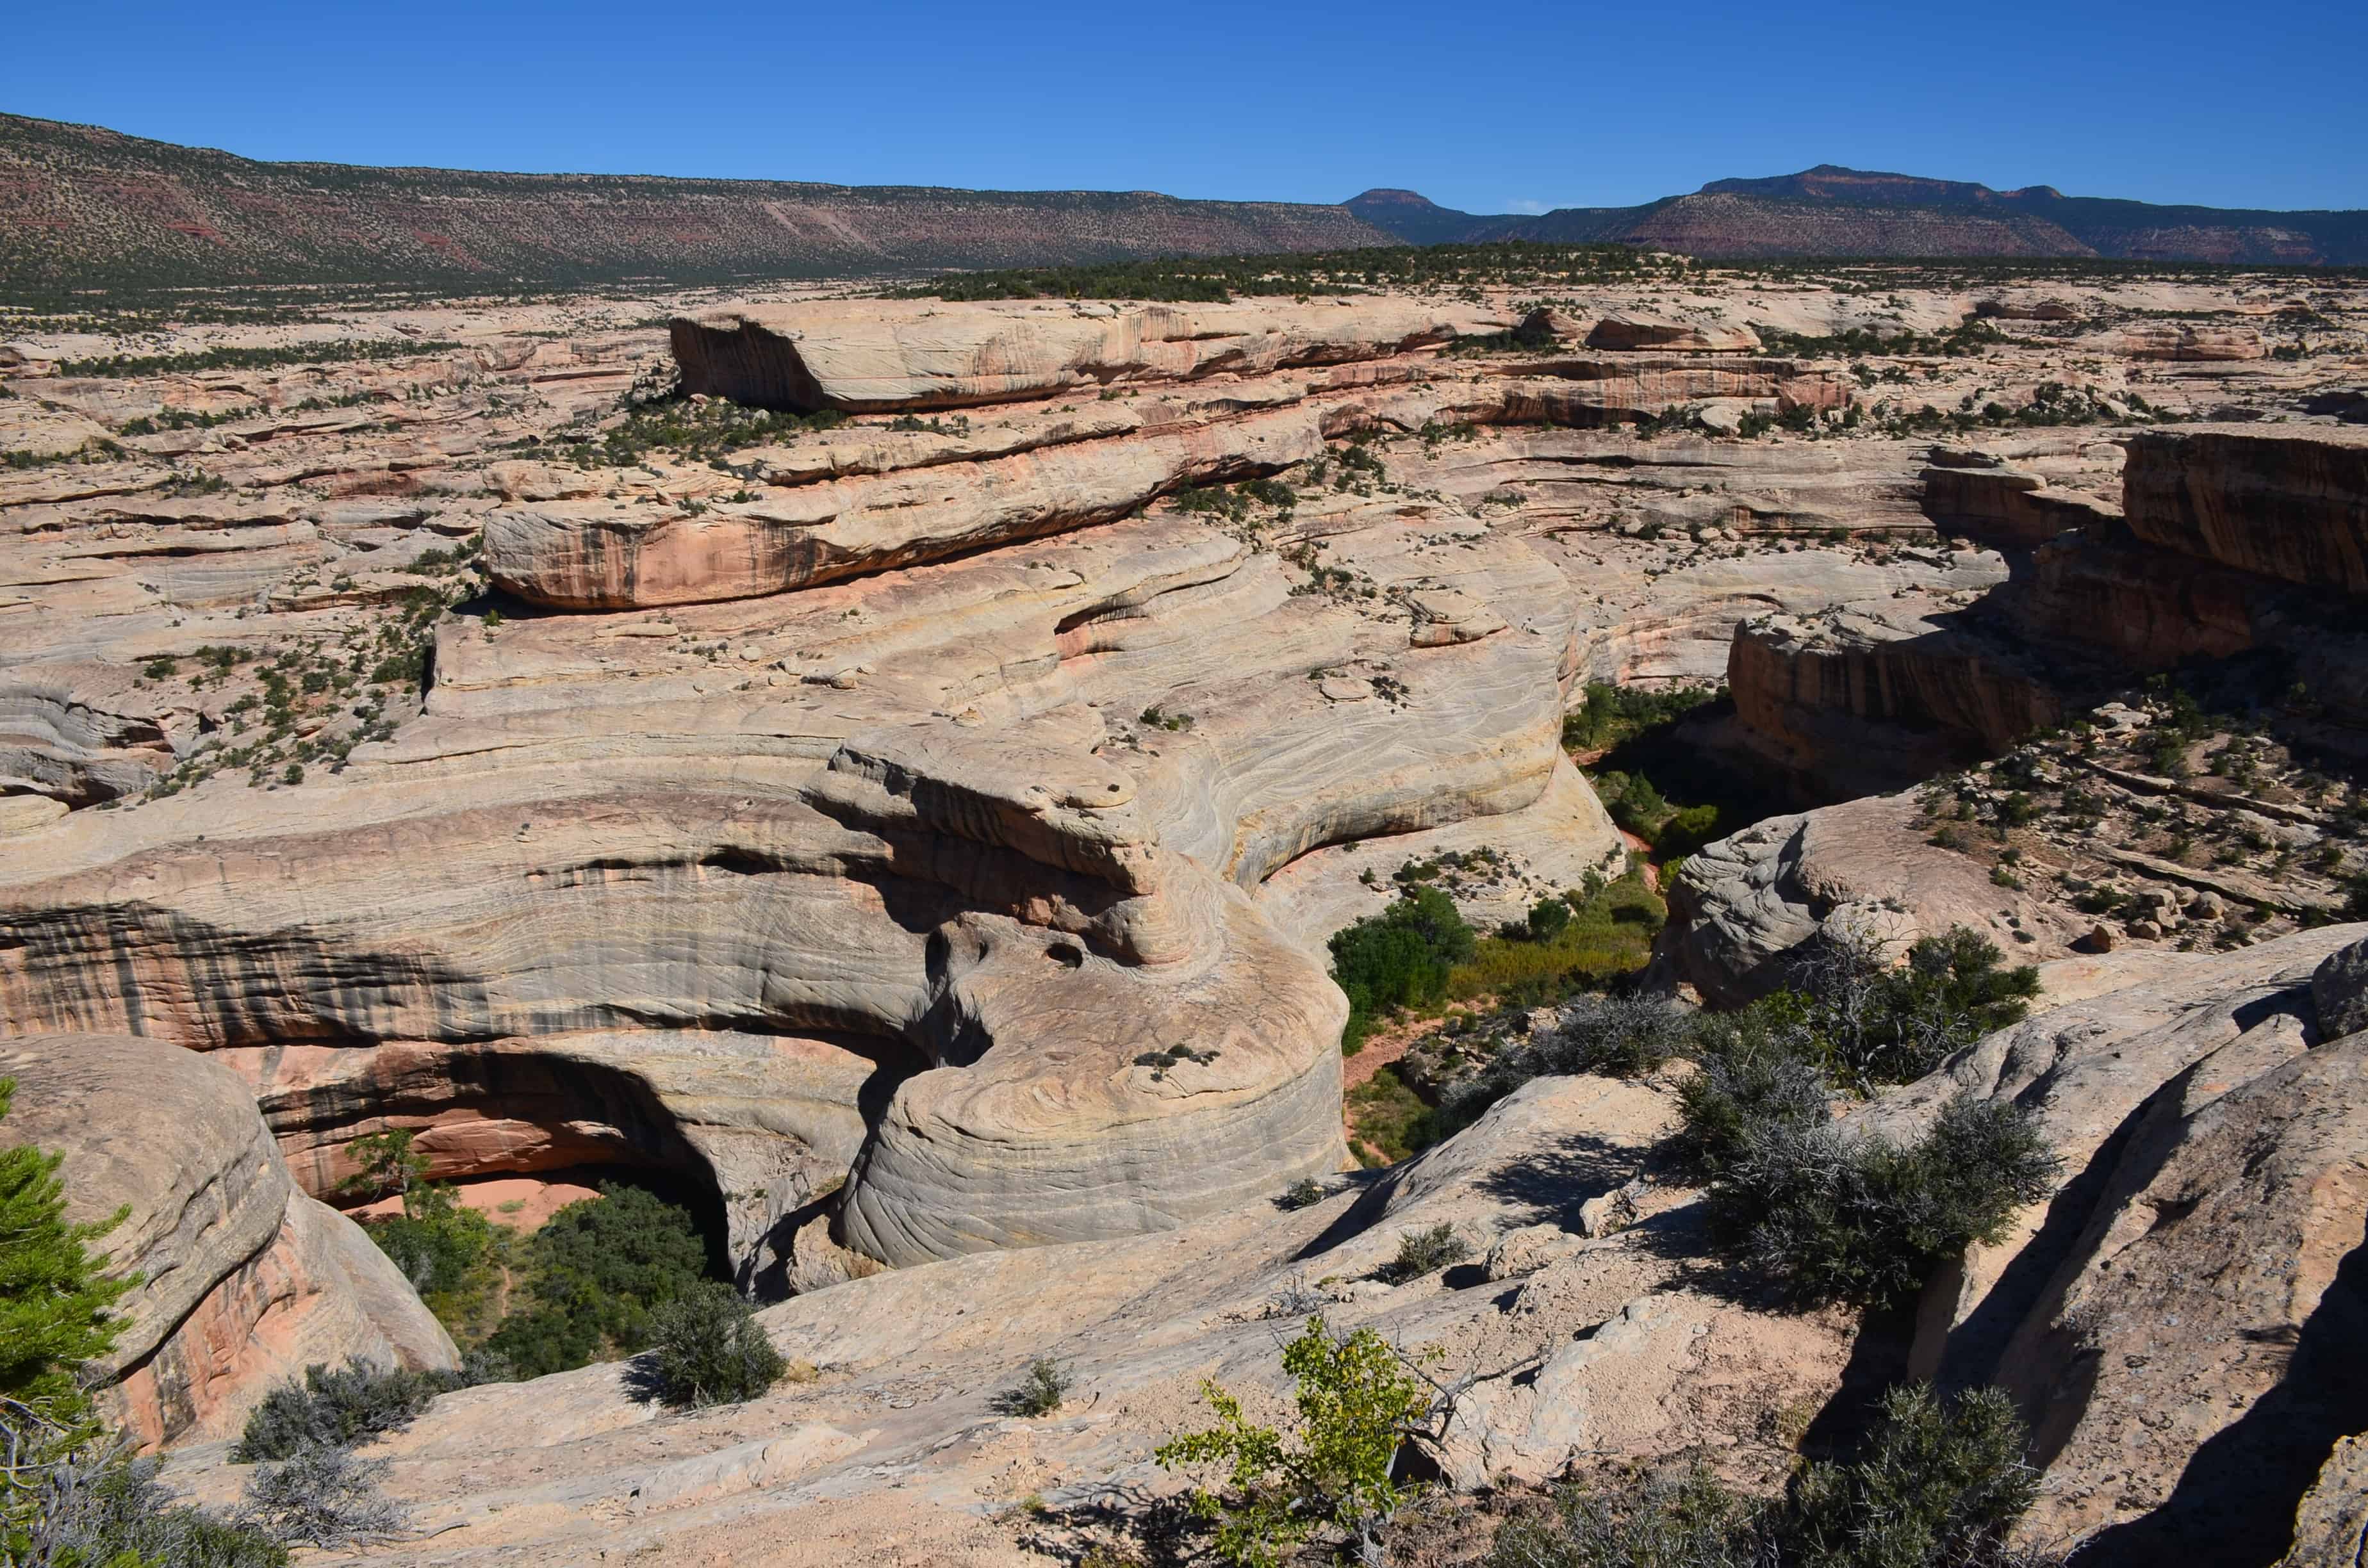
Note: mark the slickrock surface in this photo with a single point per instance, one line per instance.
(892, 1455)
(244, 1280)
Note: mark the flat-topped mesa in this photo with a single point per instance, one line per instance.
(2289, 504)
(883, 355)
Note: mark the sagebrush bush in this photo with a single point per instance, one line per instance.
(1424, 1252)
(100, 1509)
(1616, 1037)
(1667, 1518)
(1039, 1392)
(707, 1348)
(1834, 1218)
(337, 1407)
(321, 1497)
(1752, 1084)
(1881, 1022)
(1935, 1484)
(1304, 1193)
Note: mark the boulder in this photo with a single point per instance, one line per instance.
(1740, 907)
(244, 1280)
(2168, 1422)
(2338, 987)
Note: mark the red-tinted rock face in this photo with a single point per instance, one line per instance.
(1857, 703)
(2288, 504)
(244, 1280)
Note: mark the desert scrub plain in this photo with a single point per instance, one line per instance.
(1820, 802)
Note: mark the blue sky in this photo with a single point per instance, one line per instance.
(1513, 106)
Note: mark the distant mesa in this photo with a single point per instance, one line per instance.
(85, 207)
(1831, 211)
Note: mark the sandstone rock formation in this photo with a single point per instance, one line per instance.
(918, 838)
(2182, 1322)
(877, 355)
(1742, 907)
(2285, 504)
(1630, 330)
(244, 1280)
(2188, 344)
(1603, 1351)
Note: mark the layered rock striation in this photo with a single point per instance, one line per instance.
(243, 1279)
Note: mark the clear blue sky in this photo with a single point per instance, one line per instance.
(1491, 107)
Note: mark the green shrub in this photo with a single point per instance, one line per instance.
(707, 1348)
(1750, 1080)
(1039, 1392)
(1390, 1117)
(1399, 958)
(336, 1408)
(1610, 933)
(595, 1273)
(451, 1254)
(1831, 1218)
(1611, 715)
(1304, 1193)
(1614, 1037)
(1424, 1252)
(1358, 1401)
(1667, 1518)
(1936, 1485)
(1888, 1024)
(1547, 918)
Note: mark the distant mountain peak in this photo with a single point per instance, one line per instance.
(1833, 209)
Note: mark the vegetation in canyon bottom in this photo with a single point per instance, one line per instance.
(594, 1283)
